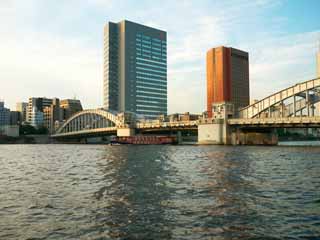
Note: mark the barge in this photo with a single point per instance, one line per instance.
(143, 140)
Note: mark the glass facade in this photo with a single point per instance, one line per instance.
(135, 69)
(151, 75)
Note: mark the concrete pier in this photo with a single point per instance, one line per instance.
(125, 132)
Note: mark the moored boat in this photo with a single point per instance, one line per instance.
(143, 140)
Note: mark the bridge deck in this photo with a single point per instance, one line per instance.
(277, 122)
(86, 132)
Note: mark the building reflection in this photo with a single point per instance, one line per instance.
(130, 200)
(232, 211)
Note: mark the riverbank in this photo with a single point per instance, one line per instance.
(26, 139)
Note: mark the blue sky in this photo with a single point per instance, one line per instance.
(54, 48)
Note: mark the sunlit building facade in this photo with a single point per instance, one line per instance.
(227, 78)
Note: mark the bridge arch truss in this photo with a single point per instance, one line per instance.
(297, 100)
(88, 121)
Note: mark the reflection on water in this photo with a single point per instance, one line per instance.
(159, 192)
(299, 143)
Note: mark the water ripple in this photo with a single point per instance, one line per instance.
(159, 192)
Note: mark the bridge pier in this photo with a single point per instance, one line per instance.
(125, 132)
(213, 133)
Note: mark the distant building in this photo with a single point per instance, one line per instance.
(52, 114)
(4, 115)
(22, 107)
(15, 118)
(36, 105)
(49, 112)
(36, 118)
(59, 111)
(135, 69)
(70, 107)
(227, 78)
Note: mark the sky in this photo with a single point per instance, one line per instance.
(54, 48)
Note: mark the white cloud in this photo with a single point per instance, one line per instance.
(43, 54)
(48, 65)
(280, 62)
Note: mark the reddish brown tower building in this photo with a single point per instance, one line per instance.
(227, 77)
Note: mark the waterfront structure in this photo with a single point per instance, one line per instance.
(135, 69)
(257, 125)
(4, 115)
(15, 118)
(22, 107)
(227, 78)
(9, 130)
(70, 107)
(36, 105)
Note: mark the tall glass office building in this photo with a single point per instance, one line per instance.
(135, 69)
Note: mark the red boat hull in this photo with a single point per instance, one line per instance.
(144, 140)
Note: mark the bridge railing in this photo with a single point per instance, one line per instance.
(254, 109)
(165, 124)
(270, 121)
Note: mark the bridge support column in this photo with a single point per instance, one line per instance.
(213, 133)
(282, 109)
(312, 110)
(125, 132)
(308, 103)
(294, 106)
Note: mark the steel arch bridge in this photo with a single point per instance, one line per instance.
(89, 122)
(298, 100)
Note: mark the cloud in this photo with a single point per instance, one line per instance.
(280, 62)
(54, 48)
(49, 65)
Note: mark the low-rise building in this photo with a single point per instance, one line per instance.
(10, 131)
(50, 113)
(176, 117)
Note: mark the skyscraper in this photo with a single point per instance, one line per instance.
(135, 69)
(227, 77)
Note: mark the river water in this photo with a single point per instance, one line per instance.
(159, 192)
